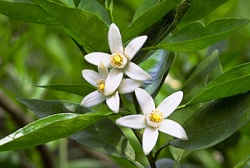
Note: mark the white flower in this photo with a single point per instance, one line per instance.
(153, 119)
(120, 58)
(108, 84)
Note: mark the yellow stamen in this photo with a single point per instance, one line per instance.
(156, 116)
(118, 60)
(100, 85)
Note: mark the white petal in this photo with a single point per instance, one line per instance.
(169, 104)
(137, 121)
(96, 58)
(149, 139)
(173, 128)
(113, 81)
(113, 102)
(93, 99)
(128, 86)
(103, 71)
(135, 72)
(91, 76)
(134, 46)
(115, 39)
(145, 101)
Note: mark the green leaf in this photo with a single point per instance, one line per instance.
(148, 18)
(230, 83)
(200, 8)
(146, 5)
(106, 137)
(80, 25)
(48, 129)
(97, 136)
(195, 36)
(165, 163)
(78, 89)
(206, 70)
(215, 122)
(94, 7)
(32, 13)
(157, 65)
(44, 108)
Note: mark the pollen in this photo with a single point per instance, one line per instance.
(100, 85)
(156, 116)
(118, 60)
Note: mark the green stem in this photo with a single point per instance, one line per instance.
(178, 161)
(109, 8)
(160, 149)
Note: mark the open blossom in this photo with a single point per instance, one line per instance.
(153, 119)
(120, 57)
(109, 85)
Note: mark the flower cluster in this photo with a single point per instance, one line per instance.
(110, 81)
(110, 84)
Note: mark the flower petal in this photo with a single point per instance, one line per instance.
(113, 81)
(145, 100)
(96, 58)
(149, 139)
(169, 104)
(93, 99)
(134, 46)
(137, 121)
(173, 128)
(135, 72)
(115, 39)
(128, 86)
(113, 102)
(91, 76)
(103, 71)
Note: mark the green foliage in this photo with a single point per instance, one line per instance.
(198, 46)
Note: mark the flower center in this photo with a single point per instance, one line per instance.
(100, 85)
(155, 118)
(118, 60)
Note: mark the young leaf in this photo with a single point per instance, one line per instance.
(106, 137)
(215, 122)
(48, 129)
(32, 13)
(206, 70)
(199, 9)
(148, 18)
(195, 36)
(230, 83)
(80, 25)
(94, 7)
(78, 89)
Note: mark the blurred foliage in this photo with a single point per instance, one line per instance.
(35, 54)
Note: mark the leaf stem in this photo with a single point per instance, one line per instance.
(177, 163)
(160, 149)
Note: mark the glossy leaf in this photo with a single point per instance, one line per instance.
(165, 163)
(44, 108)
(206, 70)
(215, 122)
(195, 36)
(97, 136)
(199, 9)
(80, 25)
(153, 65)
(94, 7)
(230, 83)
(106, 137)
(148, 18)
(32, 13)
(48, 129)
(146, 5)
(78, 89)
